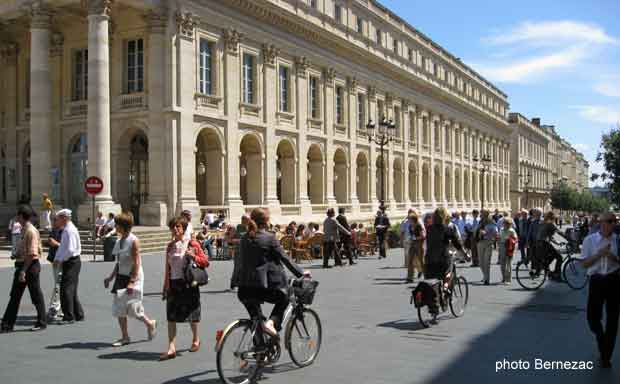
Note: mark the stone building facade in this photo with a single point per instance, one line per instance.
(542, 159)
(235, 104)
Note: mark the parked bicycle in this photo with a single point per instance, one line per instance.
(532, 274)
(244, 349)
(455, 295)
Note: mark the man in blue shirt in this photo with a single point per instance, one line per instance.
(471, 228)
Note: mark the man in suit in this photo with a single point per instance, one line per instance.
(382, 225)
(522, 225)
(345, 238)
(532, 231)
(332, 229)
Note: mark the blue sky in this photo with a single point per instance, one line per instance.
(558, 60)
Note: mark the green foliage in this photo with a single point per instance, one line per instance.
(609, 154)
(569, 199)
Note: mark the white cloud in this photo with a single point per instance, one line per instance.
(582, 147)
(600, 114)
(611, 88)
(549, 33)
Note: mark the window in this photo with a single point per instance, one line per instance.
(457, 141)
(466, 145)
(313, 4)
(397, 121)
(413, 135)
(395, 46)
(205, 83)
(248, 79)
(410, 55)
(380, 111)
(379, 37)
(134, 59)
(314, 97)
(361, 111)
(339, 108)
(447, 135)
(426, 137)
(360, 25)
(284, 89)
(79, 89)
(338, 13)
(437, 136)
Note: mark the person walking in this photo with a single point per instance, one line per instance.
(472, 232)
(187, 214)
(600, 255)
(68, 258)
(46, 213)
(507, 242)
(345, 236)
(27, 271)
(417, 236)
(405, 237)
(487, 236)
(128, 277)
(15, 229)
(382, 224)
(332, 229)
(521, 224)
(182, 300)
(54, 313)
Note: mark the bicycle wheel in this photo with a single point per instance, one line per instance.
(236, 359)
(575, 274)
(530, 278)
(303, 337)
(459, 297)
(425, 316)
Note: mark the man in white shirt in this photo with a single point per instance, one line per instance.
(68, 256)
(599, 255)
(190, 229)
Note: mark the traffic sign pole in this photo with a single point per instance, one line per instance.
(93, 186)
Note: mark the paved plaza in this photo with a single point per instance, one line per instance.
(371, 333)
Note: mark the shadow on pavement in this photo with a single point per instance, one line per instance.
(131, 355)
(403, 325)
(79, 345)
(194, 379)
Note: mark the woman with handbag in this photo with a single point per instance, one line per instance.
(128, 279)
(182, 297)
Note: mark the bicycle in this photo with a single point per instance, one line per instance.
(251, 349)
(532, 275)
(456, 296)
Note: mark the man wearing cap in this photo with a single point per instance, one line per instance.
(187, 214)
(68, 256)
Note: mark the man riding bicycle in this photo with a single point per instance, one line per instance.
(544, 250)
(261, 276)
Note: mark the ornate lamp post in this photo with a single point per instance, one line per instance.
(381, 138)
(485, 165)
(525, 179)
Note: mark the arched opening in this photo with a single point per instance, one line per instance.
(398, 180)
(426, 182)
(381, 178)
(340, 176)
(437, 181)
(78, 172)
(285, 172)
(362, 178)
(132, 172)
(316, 169)
(448, 184)
(251, 171)
(413, 181)
(209, 168)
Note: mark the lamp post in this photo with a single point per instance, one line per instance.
(381, 138)
(525, 179)
(484, 162)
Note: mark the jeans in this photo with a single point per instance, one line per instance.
(69, 301)
(17, 291)
(604, 292)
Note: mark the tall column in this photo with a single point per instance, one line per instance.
(155, 211)
(328, 181)
(302, 64)
(99, 106)
(40, 101)
(420, 181)
(372, 161)
(9, 63)
(185, 77)
(352, 163)
(56, 59)
(271, 146)
(406, 126)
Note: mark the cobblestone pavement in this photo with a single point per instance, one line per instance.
(371, 333)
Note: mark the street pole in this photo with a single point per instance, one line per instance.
(482, 197)
(381, 139)
(382, 175)
(94, 232)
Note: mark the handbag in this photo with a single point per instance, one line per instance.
(195, 276)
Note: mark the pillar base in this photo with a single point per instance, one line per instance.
(236, 209)
(305, 207)
(155, 214)
(274, 207)
(85, 210)
(355, 205)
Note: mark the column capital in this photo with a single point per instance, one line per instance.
(389, 100)
(186, 23)
(40, 15)
(352, 83)
(56, 44)
(372, 93)
(157, 20)
(302, 64)
(99, 7)
(232, 38)
(406, 104)
(270, 54)
(330, 76)
(8, 52)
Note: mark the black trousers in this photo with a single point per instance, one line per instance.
(329, 248)
(348, 251)
(604, 292)
(381, 241)
(69, 301)
(17, 291)
(252, 298)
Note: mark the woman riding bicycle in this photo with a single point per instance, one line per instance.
(260, 275)
(545, 251)
(438, 262)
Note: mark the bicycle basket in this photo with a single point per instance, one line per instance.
(304, 290)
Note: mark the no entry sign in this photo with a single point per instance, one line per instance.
(93, 185)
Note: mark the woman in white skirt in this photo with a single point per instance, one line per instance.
(128, 278)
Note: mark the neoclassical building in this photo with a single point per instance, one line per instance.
(241, 103)
(541, 159)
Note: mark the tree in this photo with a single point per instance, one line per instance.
(609, 154)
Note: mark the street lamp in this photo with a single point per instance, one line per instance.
(526, 181)
(484, 162)
(381, 138)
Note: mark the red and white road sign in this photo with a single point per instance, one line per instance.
(93, 185)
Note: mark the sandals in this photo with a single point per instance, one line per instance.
(167, 356)
(152, 330)
(121, 342)
(195, 347)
